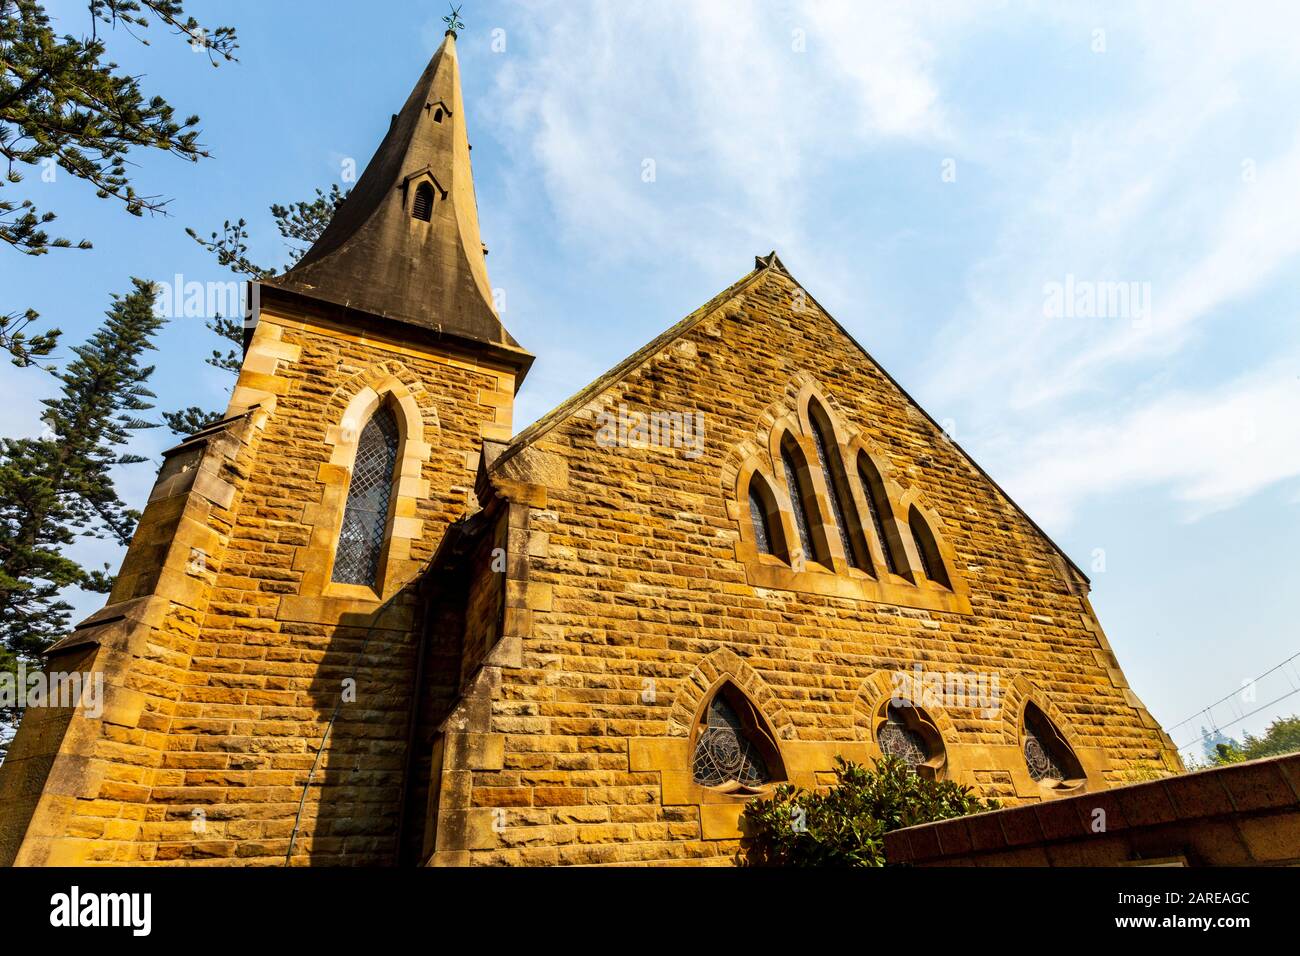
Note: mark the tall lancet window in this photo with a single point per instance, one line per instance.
(927, 550)
(873, 492)
(833, 472)
(801, 499)
(361, 542)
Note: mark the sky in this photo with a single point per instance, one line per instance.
(1070, 231)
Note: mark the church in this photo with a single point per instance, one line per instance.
(363, 621)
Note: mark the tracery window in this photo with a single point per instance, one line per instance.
(1049, 758)
(733, 751)
(365, 519)
(904, 731)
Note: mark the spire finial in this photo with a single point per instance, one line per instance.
(453, 21)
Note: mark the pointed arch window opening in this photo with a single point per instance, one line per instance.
(874, 496)
(800, 498)
(422, 204)
(927, 550)
(365, 518)
(833, 473)
(1048, 757)
(765, 519)
(904, 731)
(733, 751)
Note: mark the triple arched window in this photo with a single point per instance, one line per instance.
(365, 519)
(841, 498)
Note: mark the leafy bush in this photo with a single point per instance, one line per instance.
(845, 824)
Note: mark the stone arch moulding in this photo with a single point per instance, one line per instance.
(912, 498)
(778, 514)
(696, 689)
(671, 755)
(761, 454)
(876, 692)
(388, 384)
(1092, 760)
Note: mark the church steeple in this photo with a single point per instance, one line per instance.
(405, 244)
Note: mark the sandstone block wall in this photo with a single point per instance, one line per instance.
(639, 600)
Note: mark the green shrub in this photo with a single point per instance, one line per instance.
(845, 824)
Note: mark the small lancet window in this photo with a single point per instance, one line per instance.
(873, 491)
(422, 205)
(1049, 758)
(801, 499)
(927, 550)
(733, 750)
(361, 540)
(833, 472)
(760, 514)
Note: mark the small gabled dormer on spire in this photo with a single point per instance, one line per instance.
(405, 244)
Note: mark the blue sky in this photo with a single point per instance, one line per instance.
(927, 171)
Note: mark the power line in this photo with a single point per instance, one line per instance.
(1289, 693)
(1206, 709)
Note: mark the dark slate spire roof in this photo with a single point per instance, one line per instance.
(375, 257)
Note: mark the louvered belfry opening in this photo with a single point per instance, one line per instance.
(422, 205)
(361, 541)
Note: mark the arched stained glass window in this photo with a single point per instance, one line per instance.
(731, 750)
(361, 541)
(926, 549)
(800, 500)
(834, 474)
(873, 491)
(1047, 756)
(898, 739)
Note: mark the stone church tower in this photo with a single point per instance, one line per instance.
(361, 621)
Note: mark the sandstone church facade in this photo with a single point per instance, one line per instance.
(363, 622)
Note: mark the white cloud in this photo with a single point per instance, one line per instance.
(1212, 450)
(735, 114)
(1147, 188)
